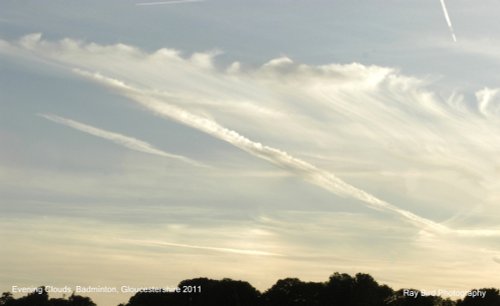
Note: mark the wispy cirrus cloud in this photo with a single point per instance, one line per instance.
(303, 169)
(372, 107)
(307, 171)
(364, 133)
(120, 139)
(203, 247)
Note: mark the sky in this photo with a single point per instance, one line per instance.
(141, 145)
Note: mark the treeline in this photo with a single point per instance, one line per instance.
(41, 298)
(339, 290)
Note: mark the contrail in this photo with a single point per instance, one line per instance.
(282, 159)
(168, 2)
(448, 21)
(208, 248)
(125, 141)
(303, 169)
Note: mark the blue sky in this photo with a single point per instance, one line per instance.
(142, 145)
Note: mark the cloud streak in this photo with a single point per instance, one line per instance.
(448, 21)
(301, 168)
(365, 106)
(200, 247)
(120, 139)
(307, 171)
(399, 144)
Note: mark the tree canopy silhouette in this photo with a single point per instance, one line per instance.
(338, 290)
(40, 297)
(292, 291)
(491, 298)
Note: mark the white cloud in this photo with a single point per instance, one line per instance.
(280, 158)
(487, 103)
(370, 116)
(388, 134)
(307, 171)
(203, 247)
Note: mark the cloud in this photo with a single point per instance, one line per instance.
(368, 117)
(200, 247)
(120, 139)
(280, 158)
(364, 133)
(106, 253)
(305, 170)
(488, 101)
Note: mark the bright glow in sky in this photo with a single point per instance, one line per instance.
(146, 144)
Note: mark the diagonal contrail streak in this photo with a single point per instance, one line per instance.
(120, 139)
(200, 247)
(448, 21)
(282, 159)
(309, 172)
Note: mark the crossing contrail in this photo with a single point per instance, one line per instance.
(448, 21)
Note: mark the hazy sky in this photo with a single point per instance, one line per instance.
(145, 144)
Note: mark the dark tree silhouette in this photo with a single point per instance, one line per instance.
(399, 298)
(367, 292)
(38, 298)
(447, 302)
(59, 302)
(6, 298)
(202, 292)
(41, 298)
(362, 290)
(152, 299)
(294, 292)
(217, 293)
(492, 298)
(77, 300)
(339, 290)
